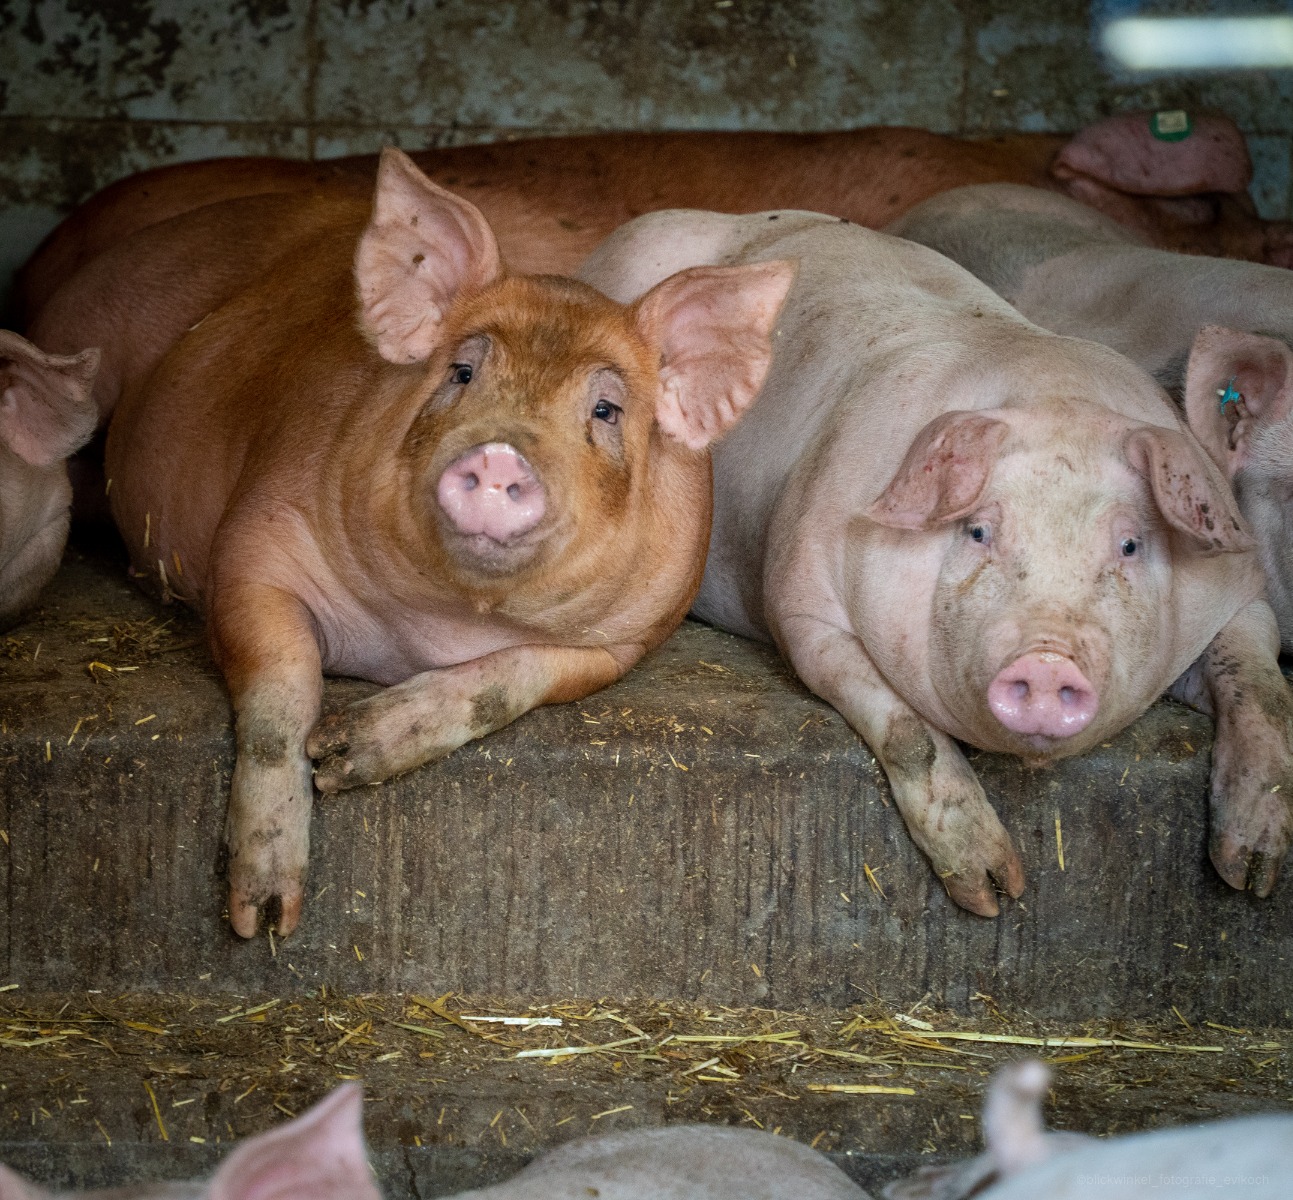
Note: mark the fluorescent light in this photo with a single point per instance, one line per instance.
(1200, 43)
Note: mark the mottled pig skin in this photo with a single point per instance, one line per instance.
(1248, 1156)
(321, 1156)
(1071, 270)
(46, 413)
(552, 201)
(959, 526)
(360, 446)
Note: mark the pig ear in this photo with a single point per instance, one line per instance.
(46, 409)
(944, 473)
(1252, 373)
(713, 327)
(423, 248)
(1189, 491)
(14, 1187)
(319, 1156)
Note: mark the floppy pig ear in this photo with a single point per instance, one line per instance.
(1188, 490)
(319, 1156)
(713, 326)
(46, 410)
(944, 473)
(423, 247)
(1252, 373)
(14, 1187)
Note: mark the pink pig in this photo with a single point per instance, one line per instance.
(957, 526)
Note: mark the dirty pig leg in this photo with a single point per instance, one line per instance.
(935, 789)
(1239, 682)
(264, 642)
(428, 716)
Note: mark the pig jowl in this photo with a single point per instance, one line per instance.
(487, 491)
(957, 526)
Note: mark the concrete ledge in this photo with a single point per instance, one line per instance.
(700, 830)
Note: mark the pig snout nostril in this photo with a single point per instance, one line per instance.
(1043, 694)
(491, 491)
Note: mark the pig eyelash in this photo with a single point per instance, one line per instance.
(462, 373)
(604, 410)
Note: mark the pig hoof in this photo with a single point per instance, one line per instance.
(335, 774)
(329, 736)
(245, 911)
(977, 898)
(1245, 869)
(975, 891)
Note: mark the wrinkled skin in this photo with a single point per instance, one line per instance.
(1024, 1161)
(932, 496)
(46, 413)
(288, 410)
(1072, 271)
(552, 201)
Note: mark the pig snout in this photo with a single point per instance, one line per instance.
(491, 490)
(1043, 694)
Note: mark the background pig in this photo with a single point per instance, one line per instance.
(551, 201)
(321, 1156)
(1073, 271)
(956, 525)
(385, 457)
(46, 413)
(1250, 1156)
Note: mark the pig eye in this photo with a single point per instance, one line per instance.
(462, 373)
(979, 532)
(1129, 546)
(604, 410)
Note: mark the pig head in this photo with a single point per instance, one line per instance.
(46, 413)
(1072, 569)
(389, 458)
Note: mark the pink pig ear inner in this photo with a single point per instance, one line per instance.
(1235, 385)
(1189, 491)
(47, 410)
(943, 474)
(423, 248)
(319, 1156)
(713, 327)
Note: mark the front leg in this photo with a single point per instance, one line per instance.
(1238, 680)
(936, 790)
(264, 642)
(432, 714)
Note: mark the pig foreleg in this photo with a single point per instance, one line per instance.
(935, 789)
(1238, 681)
(264, 641)
(432, 714)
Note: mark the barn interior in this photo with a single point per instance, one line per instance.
(690, 891)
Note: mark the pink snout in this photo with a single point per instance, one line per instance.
(491, 490)
(1043, 693)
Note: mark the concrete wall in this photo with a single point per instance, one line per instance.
(91, 90)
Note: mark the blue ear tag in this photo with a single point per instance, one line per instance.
(1230, 394)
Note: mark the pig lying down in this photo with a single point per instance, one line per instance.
(46, 413)
(956, 525)
(1070, 270)
(321, 1156)
(1249, 1156)
(551, 201)
(488, 491)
